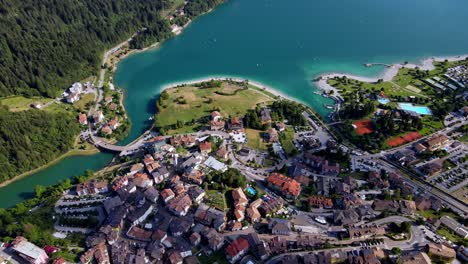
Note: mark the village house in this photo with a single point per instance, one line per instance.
(194, 176)
(240, 202)
(328, 168)
(195, 239)
(279, 226)
(216, 165)
(288, 187)
(113, 106)
(29, 252)
(222, 153)
(436, 142)
(113, 124)
(365, 231)
(108, 99)
(253, 214)
(106, 130)
(272, 135)
(205, 147)
(135, 168)
(270, 205)
(180, 204)
(376, 180)
(140, 214)
(217, 125)
(384, 205)
(258, 247)
(182, 140)
(345, 217)
(278, 245)
(160, 174)
(167, 195)
(151, 194)
(454, 226)
(98, 117)
(280, 126)
(414, 257)
(71, 98)
(140, 234)
(320, 202)
(265, 115)
(237, 249)
(82, 119)
(210, 217)
(216, 116)
(152, 166)
(236, 124)
(92, 187)
(407, 207)
(196, 193)
(440, 251)
(431, 168)
(98, 253)
(76, 88)
(142, 180)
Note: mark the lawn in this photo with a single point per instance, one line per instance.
(255, 140)
(433, 214)
(390, 89)
(216, 199)
(287, 137)
(190, 103)
(85, 99)
(20, 103)
(444, 232)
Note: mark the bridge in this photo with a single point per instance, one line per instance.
(100, 143)
(114, 148)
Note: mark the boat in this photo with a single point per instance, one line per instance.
(151, 118)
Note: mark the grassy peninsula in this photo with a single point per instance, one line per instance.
(186, 108)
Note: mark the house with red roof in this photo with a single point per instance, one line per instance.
(215, 116)
(237, 249)
(288, 187)
(205, 147)
(83, 119)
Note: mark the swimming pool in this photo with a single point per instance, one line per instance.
(419, 109)
(383, 100)
(251, 190)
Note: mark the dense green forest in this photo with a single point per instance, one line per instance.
(47, 45)
(29, 139)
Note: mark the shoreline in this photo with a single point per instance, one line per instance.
(387, 75)
(67, 154)
(227, 78)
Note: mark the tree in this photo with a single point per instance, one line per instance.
(396, 250)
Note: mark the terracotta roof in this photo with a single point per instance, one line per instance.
(215, 114)
(82, 118)
(285, 184)
(238, 245)
(205, 146)
(166, 193)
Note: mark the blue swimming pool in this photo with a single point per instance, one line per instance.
(383, 100)
(419, 109)
(251, 190)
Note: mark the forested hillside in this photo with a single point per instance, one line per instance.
(29, 139)
(47, 45)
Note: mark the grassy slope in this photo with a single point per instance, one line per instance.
(255, 140)
(198, 103)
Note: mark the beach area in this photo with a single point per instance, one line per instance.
(388, 74)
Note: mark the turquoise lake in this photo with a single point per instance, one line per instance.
(282, 44)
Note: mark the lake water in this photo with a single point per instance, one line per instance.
(283, 44)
